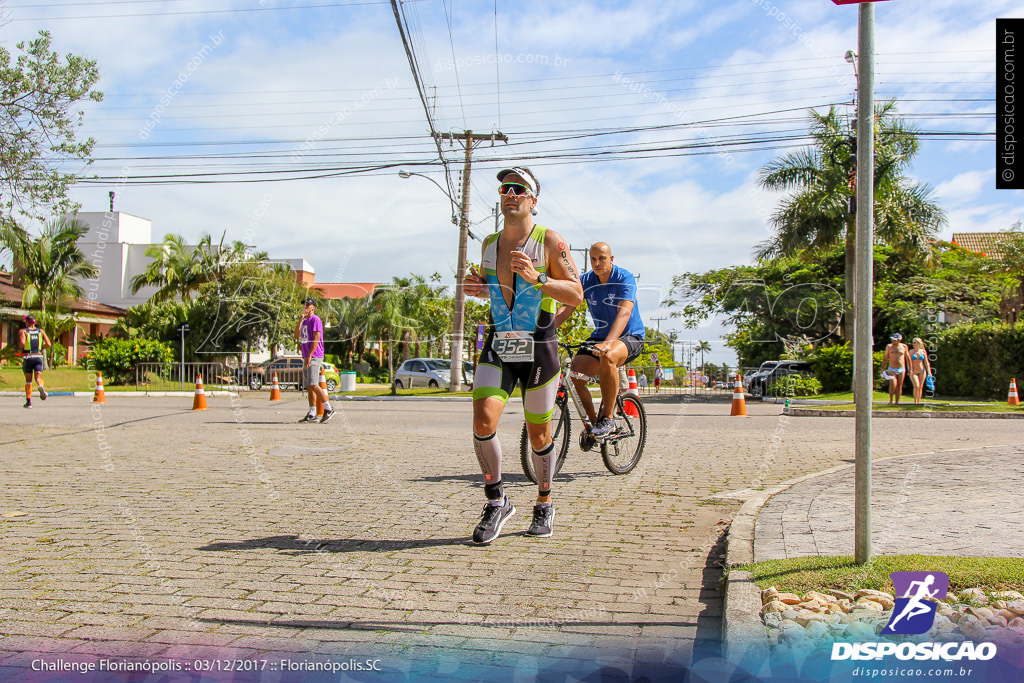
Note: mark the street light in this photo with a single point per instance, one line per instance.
(459, 314)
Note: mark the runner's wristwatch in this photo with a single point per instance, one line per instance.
(542, 280)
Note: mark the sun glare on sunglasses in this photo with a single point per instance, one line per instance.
(517, 189)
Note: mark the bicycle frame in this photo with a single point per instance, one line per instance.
(565, 381)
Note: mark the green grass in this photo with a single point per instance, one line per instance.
(925, 407)
(883, 396)
(58, 379)
(405, 392)
(802, 574)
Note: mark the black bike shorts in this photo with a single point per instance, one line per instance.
(32, 364)
(495, 378)
(634, 347)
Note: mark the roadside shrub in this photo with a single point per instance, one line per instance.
(116, 358)
(796, 385)
(976, 360)
(833, 366)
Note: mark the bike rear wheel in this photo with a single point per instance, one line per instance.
(560, 435)
(622, 450)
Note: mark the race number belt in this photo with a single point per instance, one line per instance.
(514, 346)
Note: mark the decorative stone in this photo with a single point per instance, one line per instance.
(859, 631)
(980, 612)
(1016, 622)
(820, 597)
(769, 594)
(999, 604)
(806, 616)
(1016, 606)
(846, 604)
(789, 598)
(975, 595)
(997, 620)
(864, 603)
(793, 635)
(1008, 595)
(812, 605)
(789, 614)
(944, 609)
(774, 606)
(972, 627)
(817, 630)
(772, 619)
(885, 601)
(841, 595)
(867, 592)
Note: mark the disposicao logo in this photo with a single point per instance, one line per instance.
(913, 614)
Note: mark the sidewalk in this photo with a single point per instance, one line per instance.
(962, 503)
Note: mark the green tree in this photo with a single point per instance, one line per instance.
(38, 93)
(818, 214)
(49, 267)
(179, 269)
(788, 299)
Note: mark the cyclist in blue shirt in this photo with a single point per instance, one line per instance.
(618, 336)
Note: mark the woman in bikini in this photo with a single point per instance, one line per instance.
(920, 368)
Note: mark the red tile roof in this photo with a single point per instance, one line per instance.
(11, 293)
(344, 290)
(986, 243)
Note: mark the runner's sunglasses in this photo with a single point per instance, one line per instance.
(518, 189)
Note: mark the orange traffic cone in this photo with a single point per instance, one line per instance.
(1012, 399)
(629, 407)
(323, 385)
(275, 390)
(199, 402)
(99, 396)
(739, 402)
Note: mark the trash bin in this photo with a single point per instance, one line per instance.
(348, 381)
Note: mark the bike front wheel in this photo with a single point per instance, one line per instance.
(560, 429)
(622, 450)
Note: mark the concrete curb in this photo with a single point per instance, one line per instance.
(743, 634)
(930, 415)
(134, 394)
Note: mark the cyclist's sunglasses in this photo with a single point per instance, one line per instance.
(518, 189)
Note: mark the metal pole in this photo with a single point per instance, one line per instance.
(864, 299)
(455, 382)
(181, 372)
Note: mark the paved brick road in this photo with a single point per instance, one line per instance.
(151, 530)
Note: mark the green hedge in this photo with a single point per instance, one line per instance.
(977, 360)
(833, 366)
(116, 358)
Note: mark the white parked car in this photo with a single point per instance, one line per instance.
(430, 372)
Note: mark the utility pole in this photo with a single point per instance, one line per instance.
(585, 257)
(658, 321)
(864, 280)
(468, 141)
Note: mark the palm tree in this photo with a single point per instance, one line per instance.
(702, 346)
(179, 269)
(49, 267)
(818, 214)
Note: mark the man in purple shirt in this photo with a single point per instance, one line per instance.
(310, 333)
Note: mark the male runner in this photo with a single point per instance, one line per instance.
(526, 271)
(33, 342)
(310, 333)
(618, 335)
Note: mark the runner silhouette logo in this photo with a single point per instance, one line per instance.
(913, 613)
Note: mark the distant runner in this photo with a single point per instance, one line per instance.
(33, 341)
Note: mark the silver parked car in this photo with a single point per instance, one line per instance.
(429, 372)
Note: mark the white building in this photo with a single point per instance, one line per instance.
(116, 244)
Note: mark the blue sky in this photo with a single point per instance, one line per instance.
(275, 92)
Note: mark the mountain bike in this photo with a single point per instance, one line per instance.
(621, 449)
